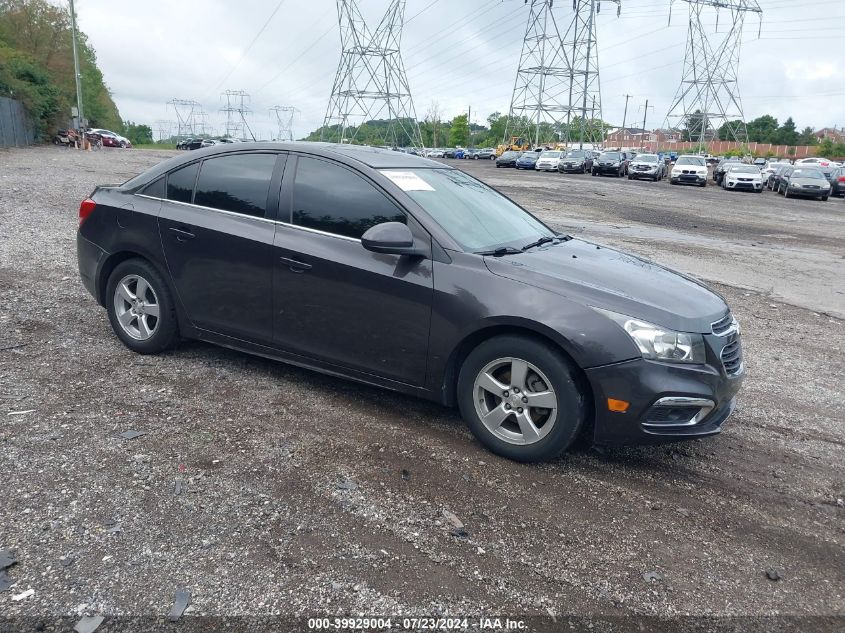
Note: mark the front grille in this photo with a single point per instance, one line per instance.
(732, 358)
(723, 325)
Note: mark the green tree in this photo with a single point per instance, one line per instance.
(137, 134)
(808, 137)
(786, 134)
(459, 135)
(39, 32)
(762, 129)
(694, 128)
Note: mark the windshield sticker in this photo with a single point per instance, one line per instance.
(408, 181)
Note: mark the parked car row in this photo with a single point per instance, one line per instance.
(488, 153)
(197, 143)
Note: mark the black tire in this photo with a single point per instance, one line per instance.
(824, 198)
(122, 145)
(672, 181)
(166, 331)
(594, 173)
(572, 403)
(630, 177)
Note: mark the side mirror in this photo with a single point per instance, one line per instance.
(392, 238)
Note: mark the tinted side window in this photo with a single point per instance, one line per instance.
(180, 183)
(236, 183)
(331, 198)
(155, 189)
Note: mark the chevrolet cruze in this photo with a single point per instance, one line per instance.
(400, 272)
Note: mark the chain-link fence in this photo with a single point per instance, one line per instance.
(15, 127)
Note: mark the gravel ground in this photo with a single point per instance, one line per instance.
(266, 489)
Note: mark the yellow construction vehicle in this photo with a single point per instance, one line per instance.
(517, 144)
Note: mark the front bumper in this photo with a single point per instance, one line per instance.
(747, 186)
(689, 178)
(642, 173)
(649, 386)
(808, 193)
(607, 169)
(572, 167)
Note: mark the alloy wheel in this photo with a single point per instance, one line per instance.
(137, 307)
(515, 401)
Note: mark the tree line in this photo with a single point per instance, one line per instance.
(36, 68)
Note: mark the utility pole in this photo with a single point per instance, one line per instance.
(625, 115)
(645, 116)
(77, 76)
(469, 125)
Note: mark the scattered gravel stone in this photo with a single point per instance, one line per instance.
(653, 576)
(774, 574)
(23, 596)
(131, 435)
(181, 602)
(7, 559)
(88, 624)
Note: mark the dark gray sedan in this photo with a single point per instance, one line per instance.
(804, 182)
(400, 272)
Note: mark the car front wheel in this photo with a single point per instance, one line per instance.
(521, 398)
(141, 308)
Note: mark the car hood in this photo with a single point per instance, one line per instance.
(810, 181)
(603, 277)
(637, 163)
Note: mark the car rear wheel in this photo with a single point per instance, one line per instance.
(521, 398)
(141, 308)
(824, 198)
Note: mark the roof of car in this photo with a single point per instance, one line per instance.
(373, 157)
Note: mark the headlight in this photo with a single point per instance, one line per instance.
(658, 343)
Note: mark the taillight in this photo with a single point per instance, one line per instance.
(841, 178)
(85, 209)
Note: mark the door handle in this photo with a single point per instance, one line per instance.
(294, 265)
(182, 234)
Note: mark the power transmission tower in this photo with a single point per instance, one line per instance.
(163, 129)
(187, 112)
(708, 97)
(283, 118)
(557, 89)
(371, 84)
(236, 110)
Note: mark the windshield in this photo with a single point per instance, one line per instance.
(744, 169)
(690, 160)
(807, 173)
(646, 158)
(474, 215)
(611, 156)
(576, 153)
(510, 154)
(550, 155)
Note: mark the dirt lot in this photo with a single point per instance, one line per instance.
(265, 489)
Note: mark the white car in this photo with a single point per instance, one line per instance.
(434, 153)
(548, 161)
(770, 168)
(689, 169)
(746, 177)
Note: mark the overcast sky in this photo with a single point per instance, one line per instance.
(459, 53)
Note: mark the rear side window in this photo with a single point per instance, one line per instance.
(155, 189)
(237, 183)
(333, 199)
(180, 183)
